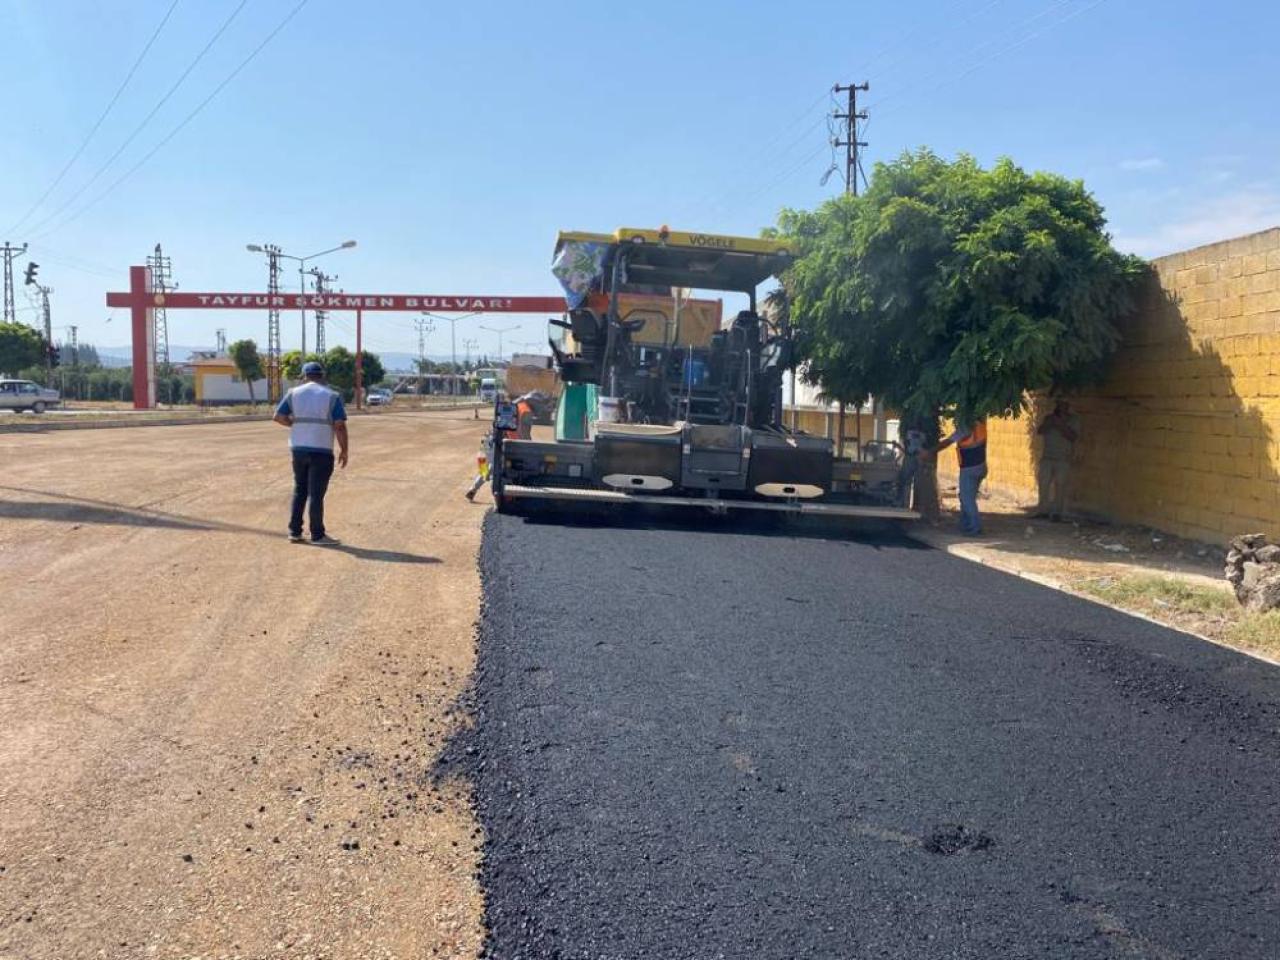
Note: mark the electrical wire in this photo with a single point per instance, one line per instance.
(145, 120)
(714, 205)
(101, 118)
(1053, 8)
(887, 70)
(1021, 41)
(186, 120)
(75, 263)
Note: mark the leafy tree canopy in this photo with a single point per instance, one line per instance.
(292, 361)
(244, 354)
(21, 346)
(951, 289)
(340, 369)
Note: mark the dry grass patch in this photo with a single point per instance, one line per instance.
(1203, 609)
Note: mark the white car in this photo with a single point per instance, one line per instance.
(379, 398)
(25, 395)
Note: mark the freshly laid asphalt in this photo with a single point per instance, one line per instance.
(704, 743)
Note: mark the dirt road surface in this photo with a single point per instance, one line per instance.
(220, 744)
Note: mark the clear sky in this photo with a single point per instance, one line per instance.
(453, 140)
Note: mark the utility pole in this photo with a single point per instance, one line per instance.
(323, 281)
(274, 386)
(11, 253)
(469, 345)
(851, 143)
(161, 283)
(47, 314)
(221, 348)
(425, 325)
(75, 361)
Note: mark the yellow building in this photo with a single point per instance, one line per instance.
(217, 382)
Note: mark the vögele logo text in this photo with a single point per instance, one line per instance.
(706, 240)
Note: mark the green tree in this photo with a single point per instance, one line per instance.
(371, 369)
(20, 346)
(340, 369)
(244, 354)
(291, 363)
(947, 289)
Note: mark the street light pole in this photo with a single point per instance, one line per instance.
(500, 331)
(453, 343)
(302, 278)
(302, 301)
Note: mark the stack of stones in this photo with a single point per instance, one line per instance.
(1253, 567)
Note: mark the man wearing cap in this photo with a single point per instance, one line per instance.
(314, 415)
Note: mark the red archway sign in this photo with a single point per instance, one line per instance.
(141, 299)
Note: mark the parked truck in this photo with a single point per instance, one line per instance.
(662, 405)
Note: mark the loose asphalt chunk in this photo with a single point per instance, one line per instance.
(723, 742)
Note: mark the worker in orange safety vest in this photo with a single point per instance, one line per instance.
(524, 420)
(971, 448)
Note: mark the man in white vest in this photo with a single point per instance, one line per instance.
(314, 415)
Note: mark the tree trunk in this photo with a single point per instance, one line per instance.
(926, 489)
(926, 492)
(840, 429)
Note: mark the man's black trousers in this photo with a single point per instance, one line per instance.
(311, 473)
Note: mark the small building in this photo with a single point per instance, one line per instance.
(217, 382)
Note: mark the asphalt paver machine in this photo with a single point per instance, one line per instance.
(666, 403)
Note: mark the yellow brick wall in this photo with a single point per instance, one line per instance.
(1184, 435)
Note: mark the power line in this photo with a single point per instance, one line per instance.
(1054, 7)
(145, 120)
(881, 72)
(191, 116)
(77, 264)
(103, 116)
(763, 154)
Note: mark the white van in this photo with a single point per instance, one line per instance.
(488, 390)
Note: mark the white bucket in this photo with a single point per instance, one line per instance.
(610, 409)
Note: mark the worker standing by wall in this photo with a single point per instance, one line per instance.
(971, 448)
(1058, 433)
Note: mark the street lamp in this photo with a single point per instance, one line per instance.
(500, 331)
(453, 343)
(302, 276)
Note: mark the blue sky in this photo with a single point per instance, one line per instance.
(453, 140)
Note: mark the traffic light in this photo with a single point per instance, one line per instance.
(32, 267)
(55, 354)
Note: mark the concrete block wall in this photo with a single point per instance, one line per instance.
(1184, 435)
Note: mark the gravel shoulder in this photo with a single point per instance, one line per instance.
(220, 744)
(1156, 575)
